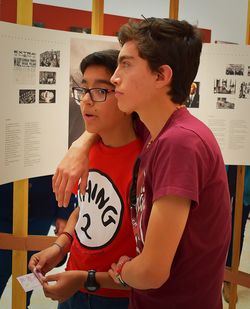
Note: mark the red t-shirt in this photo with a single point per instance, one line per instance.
(103, 232)
(185, 160)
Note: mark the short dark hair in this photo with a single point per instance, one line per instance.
(167, 41)
(107, 58)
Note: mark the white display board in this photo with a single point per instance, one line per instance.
(224, 86)
(35, 90)
(37, 66)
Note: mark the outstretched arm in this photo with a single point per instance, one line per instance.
(74, 166)
(69, 282)
(48, 258)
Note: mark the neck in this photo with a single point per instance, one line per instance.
(155, 118)
(122, 135)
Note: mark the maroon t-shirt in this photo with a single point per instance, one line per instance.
(185, 160)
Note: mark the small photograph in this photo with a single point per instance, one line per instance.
(47, 96)
(24, 59)
(47, 78)
(244, 90)
(50, 59)
(226, 86)
(27, 96)
(235, 69)
(194, 97)
(223, 103)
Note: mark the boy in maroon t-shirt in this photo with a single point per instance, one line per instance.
(179, 197)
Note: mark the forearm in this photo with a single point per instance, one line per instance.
(140, 273)
(103, 278)
(74, 166)
(151, 269)
(85, 142)
(70, 226)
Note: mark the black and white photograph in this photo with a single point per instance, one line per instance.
(47, 78)
(50, 59)
(235, 69)
(225, 86)
(47, 96)
(27, 96)
(25, 59)
(244, 92)
(194, 97)
(223, 103)
(24, 70)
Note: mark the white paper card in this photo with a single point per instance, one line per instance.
(29, 282)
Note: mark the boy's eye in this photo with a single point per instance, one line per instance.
(125, 64)
(101, 91)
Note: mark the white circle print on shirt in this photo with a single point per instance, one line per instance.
(101, 211)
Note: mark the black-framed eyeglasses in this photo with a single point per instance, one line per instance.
(96, 94)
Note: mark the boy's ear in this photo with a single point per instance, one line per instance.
(164, 75)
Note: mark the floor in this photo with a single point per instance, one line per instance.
(39, 301)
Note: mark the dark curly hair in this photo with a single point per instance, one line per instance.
(167, 41)
(107, 58)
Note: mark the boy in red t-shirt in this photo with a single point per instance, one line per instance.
(100, 228)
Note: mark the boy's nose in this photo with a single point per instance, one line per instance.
(87, 99)
(115, 79)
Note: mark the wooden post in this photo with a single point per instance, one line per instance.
(24, 12)
(237, 233)
(20, 228)
(238, 206)
(20, 198)
(97, 17)
(174, 9)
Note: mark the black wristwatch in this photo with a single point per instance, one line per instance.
(90, 284)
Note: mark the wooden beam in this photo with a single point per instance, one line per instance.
(97, 18)
(25, 243)
(20, 198)
(20, 228)
(174, 9)
(239, 277)
(237, 232)
(24, 12)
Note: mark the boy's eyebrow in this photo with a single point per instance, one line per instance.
(99, 81)
(125, 57)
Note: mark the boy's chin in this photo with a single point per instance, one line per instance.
(91, 130)
(124, 108)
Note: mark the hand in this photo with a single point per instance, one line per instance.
(46, 259)
(67, 284)
(74, 166)
(59, 226)
(113, 271)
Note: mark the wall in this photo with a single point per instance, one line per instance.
(49, 16)
(61, 18)
(226, 18)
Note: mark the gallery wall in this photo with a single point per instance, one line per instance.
(227, 19)
(47, 15)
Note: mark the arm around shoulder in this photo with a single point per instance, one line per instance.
(73, 167)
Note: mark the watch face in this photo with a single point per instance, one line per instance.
(92, 288)
(91, 284)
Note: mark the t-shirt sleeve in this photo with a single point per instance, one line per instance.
(178, 166)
